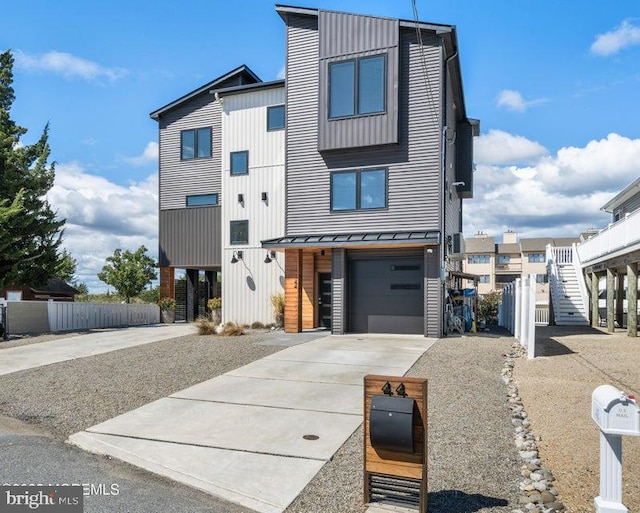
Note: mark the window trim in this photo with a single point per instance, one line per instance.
(237, 222)
(215, 195)
(231, 154)
(195, 143)
(358, 173)
(284, 119)
(356, 83)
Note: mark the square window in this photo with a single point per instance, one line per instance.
(239, 162)
(359, 190)
(199, 200)
(239, 232)
(195, 143)
(275, 117)
(504, 259)
(536, 258)
(357, 86)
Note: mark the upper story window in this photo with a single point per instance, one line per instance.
(478, 259)
(504, 259)
(275, 117)
(195, 144)
(357, 86)
(536, 258)
(239, 164)
(200, 200)
(484, 278)
(359, 190)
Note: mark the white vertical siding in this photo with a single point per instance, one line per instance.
(248, 285)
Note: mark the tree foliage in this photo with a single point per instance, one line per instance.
(488, 305)
(128, 272)
(66, 267)
(29, 255)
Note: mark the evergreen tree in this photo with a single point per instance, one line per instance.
(31, 255)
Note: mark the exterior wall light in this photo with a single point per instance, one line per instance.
(237, 255)
(271, 255)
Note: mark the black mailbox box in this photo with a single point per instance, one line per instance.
(391, 423)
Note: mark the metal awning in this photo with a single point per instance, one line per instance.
(416, 238)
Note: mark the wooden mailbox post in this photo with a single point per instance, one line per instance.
(389, 475)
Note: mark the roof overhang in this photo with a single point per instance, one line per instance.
(346, 240)
(624, 195)
(227, 91)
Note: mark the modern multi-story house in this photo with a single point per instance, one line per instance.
(358, 202)
(496, 264)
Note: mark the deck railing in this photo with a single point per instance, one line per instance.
(621, 235)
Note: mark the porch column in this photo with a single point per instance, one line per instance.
(632, 300)
(611, 285)
(620, 299)
(167, 282)
(595, 293)
(293, 291)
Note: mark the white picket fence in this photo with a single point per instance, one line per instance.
(517, 312)
(84, 316)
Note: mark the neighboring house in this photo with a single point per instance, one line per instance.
(497, 264)
(55, 289)
(611, 256)
(379, 156)
(357, 203)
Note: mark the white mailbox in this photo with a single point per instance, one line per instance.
(615, 412)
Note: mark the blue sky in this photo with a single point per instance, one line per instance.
(555, 85)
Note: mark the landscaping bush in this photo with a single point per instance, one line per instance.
(205, 326)
(231, 329)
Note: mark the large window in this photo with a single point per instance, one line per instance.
(478, 259)
(504, 259)
(239, 232)
(359, 190)
(195, 144)
(239, 162)
(275, 117)
(536, 258)
(199, 200)
(357, 86)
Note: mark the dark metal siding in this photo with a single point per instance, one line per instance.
(343, 36)
(190, 237)
(464, 150)
(179, 178)
(415, 182)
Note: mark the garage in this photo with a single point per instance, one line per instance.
(386, 294)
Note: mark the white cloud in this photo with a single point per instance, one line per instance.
(102, 216)
(555, 195)
(498, 147)
(281, 73)
(148, 156)
(513, 100)
(67, 65)
(615, 40)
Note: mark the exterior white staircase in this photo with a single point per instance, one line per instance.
(568, 290)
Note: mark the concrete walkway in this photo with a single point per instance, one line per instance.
(257, 435)
(14, 359)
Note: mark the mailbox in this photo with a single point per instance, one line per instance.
(391, 423)
(615, 412)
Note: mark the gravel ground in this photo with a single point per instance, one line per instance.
(473, 462)
(68, 397)
(25, 340)
(556, 391)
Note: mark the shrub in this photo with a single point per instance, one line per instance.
(205, 326)
(257, 325)
(167, 303)
(214, 303)
(231, 329)
(488, 305)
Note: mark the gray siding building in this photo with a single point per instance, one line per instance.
(379, 156)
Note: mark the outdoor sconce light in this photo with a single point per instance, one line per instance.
(271, 255)
(237, 255)
(240, 198)
(264, 196)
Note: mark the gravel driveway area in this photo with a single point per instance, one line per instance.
(556, 391)
(474, 465)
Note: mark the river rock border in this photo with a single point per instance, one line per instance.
(538, 492)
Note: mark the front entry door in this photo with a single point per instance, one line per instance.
(324, 300)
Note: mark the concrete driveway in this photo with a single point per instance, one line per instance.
(257, 435)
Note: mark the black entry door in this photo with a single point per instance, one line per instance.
(324, 300)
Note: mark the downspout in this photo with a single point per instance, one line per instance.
(443, 206)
